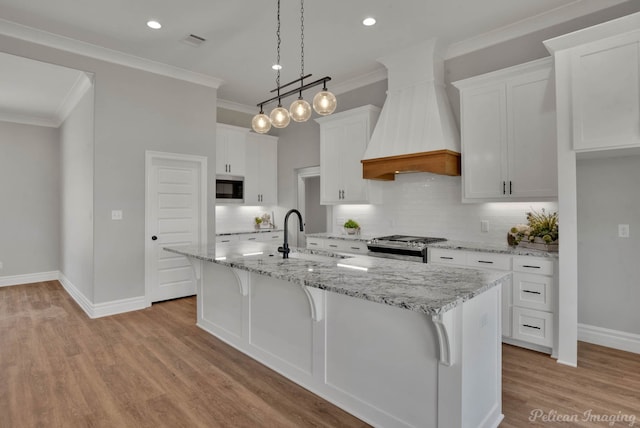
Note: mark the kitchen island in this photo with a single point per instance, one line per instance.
(398, 344)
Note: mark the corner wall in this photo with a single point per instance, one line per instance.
(29, 217)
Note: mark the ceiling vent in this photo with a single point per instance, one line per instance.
(193, 40)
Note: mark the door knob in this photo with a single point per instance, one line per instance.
(154, 238)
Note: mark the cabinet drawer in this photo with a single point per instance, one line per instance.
(533, 326)
(272, 236)
(315, 243)
(356, 247)
(489, 261)
(226, 239)
(533, 265)
(447, 257)
(533, 291)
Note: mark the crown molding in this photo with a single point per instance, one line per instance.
(359, 81)
(82, 85)
(232, 105)
(33, 35)
(25, 119)
(529, 25)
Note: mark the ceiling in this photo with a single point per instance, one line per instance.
(240, 36)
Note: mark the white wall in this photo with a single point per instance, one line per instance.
(429, 205)
(29, 195)
(76, 196)
(608, 266)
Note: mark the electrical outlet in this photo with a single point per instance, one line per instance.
(116, 215)
(623, 230)
(1, 265)
(484, 226)
(340, 221)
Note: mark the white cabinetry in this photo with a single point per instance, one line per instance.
(343, 140)
(338, 245)
(528, 300)
(261, 179)
(605, 87)
(230, 149)
(508, 127)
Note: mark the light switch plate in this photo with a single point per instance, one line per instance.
(1, 265)
(623, 230)
(116, 215)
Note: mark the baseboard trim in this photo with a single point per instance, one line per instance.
(610, 338)
(99, 310)
(6, 281)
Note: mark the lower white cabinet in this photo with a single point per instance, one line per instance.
(528, 300)
(338, 245)
(275, 236)
(271, 236)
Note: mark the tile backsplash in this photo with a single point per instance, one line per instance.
(238, 218)
(430, 205)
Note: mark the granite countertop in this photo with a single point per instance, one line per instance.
(419, 287)
(249, 232)
(452, 245)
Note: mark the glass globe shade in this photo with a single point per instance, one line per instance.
(261, 123)
(300, 110)
(280, 117)
(324, 103)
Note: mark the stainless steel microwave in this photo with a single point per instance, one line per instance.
(229, 189)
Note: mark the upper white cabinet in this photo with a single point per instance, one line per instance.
(343, 140)
(230, 149)
(261, 179)
(508, 130)
(605, 88)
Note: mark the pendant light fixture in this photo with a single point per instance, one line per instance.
(324, 102)
(300, 109)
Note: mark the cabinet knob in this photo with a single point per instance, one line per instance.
(154, 238)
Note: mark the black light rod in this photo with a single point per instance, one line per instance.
(291, 83)
(294, 91)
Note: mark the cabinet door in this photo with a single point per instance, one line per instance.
(269, 172)
(356, 138)
(484, 140)
(261, 178)
(531, 118)
(606, 93)
(332, 138)
(230, 149)
(236, 152)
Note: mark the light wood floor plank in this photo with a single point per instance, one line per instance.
(156, 368)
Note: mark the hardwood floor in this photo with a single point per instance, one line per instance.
(155, 368)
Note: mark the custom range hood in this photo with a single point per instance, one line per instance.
(416, 131)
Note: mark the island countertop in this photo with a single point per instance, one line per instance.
(420, 287)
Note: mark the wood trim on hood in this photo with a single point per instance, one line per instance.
(444, 162)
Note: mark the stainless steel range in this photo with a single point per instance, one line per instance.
(402, 247)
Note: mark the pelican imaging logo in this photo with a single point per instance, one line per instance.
(539, 415)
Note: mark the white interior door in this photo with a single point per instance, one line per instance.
(176, 216)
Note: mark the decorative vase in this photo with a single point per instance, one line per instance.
(350, 230)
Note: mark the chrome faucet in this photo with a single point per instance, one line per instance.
(285, 247)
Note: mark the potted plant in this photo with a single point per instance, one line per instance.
(351, 227)
(257, 221)
(540, 232)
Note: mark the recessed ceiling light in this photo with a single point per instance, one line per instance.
(368, 22)
(276, 67)
(154, 24)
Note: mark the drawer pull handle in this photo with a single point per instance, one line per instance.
(531, 292)
(446, 258)
(312, 243)
(355, 248)
(531, 266)
(531, 326)
(333, 246)
(484, 261)
(252, 239)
